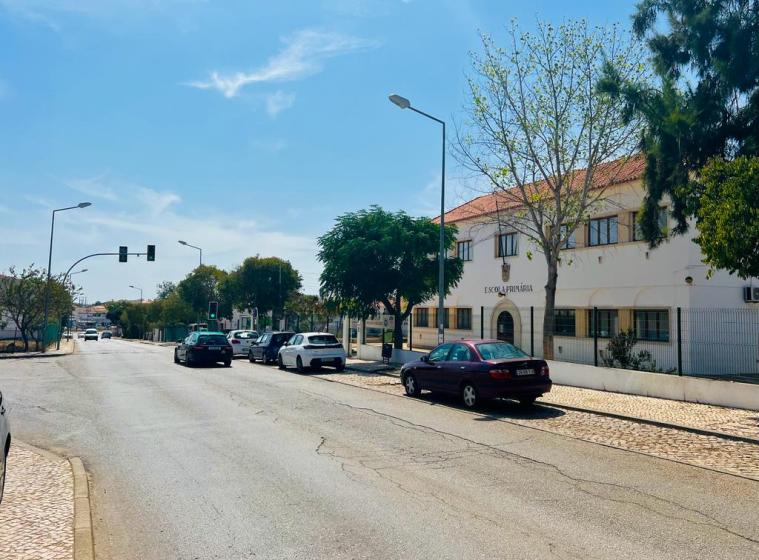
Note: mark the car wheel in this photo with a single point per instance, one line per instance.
(189, 360)
(280, 363)
(340, 366)
(412, 386)
(469, 395)
(251, 358)
(526, 402)
(228, 363)
(299, 365)
(176, 357)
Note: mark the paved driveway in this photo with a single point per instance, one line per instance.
(251, 462)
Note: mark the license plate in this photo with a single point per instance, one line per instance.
(214, 347)
(521, 372)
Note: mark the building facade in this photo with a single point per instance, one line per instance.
(687, 319)
(91, 316)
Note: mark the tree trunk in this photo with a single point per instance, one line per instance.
(398, 328)
(549, 315)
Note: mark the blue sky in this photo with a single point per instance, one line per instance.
(241, 126)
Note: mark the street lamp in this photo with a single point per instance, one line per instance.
(194, 247)
(404, 103)
(49, 264)
(136, 288)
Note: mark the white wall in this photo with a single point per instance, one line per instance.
(690, 389)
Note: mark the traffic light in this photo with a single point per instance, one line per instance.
(213, 309)
(151, 252)
(122, 254)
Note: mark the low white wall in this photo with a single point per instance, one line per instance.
(374, 352)
(369, 352)
(690, 389)
(405, 356)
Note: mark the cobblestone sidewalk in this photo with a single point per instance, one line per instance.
(37, 513)
(731, 421)
(722, 420)
(733, 457)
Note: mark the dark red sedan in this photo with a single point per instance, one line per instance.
(478, 370)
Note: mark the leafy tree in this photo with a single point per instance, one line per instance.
(374, 256)
(176, 311)
(262, 282)
(728, 215)
(22, 295)
(165, 289)
(202, 285)
(535, 118)
(309, 309)
(706, 56)
(114, 310)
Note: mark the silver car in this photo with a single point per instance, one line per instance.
(5, 435)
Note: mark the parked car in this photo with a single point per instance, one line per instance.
(5, 438)
(106, 334)
(241, 341)
(90, 334)
(267, 346)
(203, 347)
(312, 350)
(478, 370)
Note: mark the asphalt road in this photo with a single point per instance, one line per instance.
(251, 462)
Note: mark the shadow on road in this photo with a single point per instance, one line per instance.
(498, 409)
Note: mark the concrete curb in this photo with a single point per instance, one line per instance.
(29, 355)
(84, 542)
(658, 423)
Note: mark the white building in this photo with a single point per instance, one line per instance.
(91, 316)
(608, 267)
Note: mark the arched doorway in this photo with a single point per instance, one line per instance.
(505, 327)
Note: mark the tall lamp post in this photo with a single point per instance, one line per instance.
(194, 247)
(49, 264)
(136, 288)
(404, 103)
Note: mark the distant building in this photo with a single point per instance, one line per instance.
(91, 316)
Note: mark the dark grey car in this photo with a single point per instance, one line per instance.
(268, 345)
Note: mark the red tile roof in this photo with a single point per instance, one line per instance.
(615, 172)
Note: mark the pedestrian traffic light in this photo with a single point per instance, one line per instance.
(151, 252)
(122, 254)
(213, 309)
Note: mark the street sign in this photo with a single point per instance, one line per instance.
(151, 252)
(123, 253)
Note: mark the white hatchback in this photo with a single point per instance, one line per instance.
(312, 350)
(241, 341)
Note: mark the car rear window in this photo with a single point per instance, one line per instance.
(212, 339)
(499, 351)
(322, 339)
(280, 338)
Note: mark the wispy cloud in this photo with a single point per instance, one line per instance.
(95, 187)
(156, 202)
(278, 102)
(303, 55)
